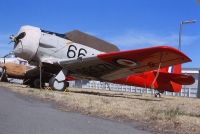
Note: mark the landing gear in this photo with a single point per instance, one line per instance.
(33, 83)
(58, 82)
(58, 85)
(36, 83)
(157, 95)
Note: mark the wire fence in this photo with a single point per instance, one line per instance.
(187, 91)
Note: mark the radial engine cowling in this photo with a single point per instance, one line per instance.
(27, 45)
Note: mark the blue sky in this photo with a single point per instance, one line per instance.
(130, 24)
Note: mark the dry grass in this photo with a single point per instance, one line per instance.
(171, 115)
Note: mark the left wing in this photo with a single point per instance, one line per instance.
(115, 65)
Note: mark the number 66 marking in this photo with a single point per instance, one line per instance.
(73, 51)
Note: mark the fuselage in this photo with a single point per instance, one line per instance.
(43, 46)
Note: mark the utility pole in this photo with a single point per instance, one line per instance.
(181, 29)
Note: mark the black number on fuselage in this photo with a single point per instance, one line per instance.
(73, 51)
(82, 52)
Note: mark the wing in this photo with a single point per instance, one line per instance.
(115, 65)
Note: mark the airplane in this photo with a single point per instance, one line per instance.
(76, 55)
(11, 58)
(12, 67)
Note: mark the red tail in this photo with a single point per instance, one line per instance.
(167, 79)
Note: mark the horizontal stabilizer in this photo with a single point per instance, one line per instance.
(164, 82)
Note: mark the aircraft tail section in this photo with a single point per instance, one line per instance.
(172, 81)
(167, 79)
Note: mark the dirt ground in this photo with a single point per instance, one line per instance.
(168, 115)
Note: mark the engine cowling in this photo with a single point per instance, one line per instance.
(26, 47)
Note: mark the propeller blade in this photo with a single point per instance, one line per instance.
(16, 39)
(20, 36)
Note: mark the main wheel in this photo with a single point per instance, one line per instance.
(34, 83)
(56, 85)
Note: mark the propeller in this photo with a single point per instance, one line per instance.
(17, 38)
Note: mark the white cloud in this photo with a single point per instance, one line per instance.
(135, 39)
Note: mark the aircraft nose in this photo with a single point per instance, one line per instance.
(18, 49)
(26, 42)
(17, 38)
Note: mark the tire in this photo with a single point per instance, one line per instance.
(36, 83)
(56, 85)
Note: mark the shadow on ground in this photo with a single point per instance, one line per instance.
(121, 95)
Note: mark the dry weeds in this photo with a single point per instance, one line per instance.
(171, 115)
